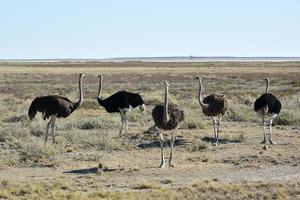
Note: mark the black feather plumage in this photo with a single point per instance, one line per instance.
(50, 105)
(268, 99)
(121, 100)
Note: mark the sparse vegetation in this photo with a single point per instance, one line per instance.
(32, 170)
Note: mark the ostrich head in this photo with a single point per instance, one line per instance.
(166, 83)
(81, 75)
(197, 78)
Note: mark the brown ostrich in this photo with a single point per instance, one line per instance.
(214, 105)
(167, 117)
(54, 106)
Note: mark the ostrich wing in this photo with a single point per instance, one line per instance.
(217, 104)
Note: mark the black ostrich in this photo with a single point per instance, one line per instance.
(267, 106)
(54, 106)
(120, 102)
(214, 105)
(167, 117)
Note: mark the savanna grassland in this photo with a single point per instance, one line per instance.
(90, 161)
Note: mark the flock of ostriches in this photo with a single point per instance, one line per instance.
(166, 116)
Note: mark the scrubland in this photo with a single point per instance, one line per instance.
(90, 161)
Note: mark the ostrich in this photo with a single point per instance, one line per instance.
(120, 102)
(214, 105)
(167, 117)
(267, 106)
(54, 106)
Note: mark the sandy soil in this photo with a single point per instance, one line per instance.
(229, 162)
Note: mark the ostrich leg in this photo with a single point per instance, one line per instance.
(218, 128)
(47, 130)
(220, 119)
(215, 131)
(53, 118)
(270, 128)
(171, 145)
(126, 123)
(122, 123)
(263, 124)
(161, 141)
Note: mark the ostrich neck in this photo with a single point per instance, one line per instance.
(80, 94)
(166, 115)
(267, 86)
(203, 105)
(100, 87)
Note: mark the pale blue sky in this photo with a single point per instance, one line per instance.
(119, 28)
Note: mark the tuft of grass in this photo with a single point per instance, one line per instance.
(36, 153)
(146, 185)
(198, 147)
(91, 124)
(166, 181)
(15, 119)
(99, 123)
(287, 119)
(36, 130)
(236, 138)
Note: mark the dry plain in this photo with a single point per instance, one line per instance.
(239, 168)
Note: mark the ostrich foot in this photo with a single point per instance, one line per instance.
(216, 142)
(272, 142)
(171, 165)
(162, 164)
(264, 141)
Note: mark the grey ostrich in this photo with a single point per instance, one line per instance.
(214, 105)
(54, 106)
(267, 106)
(167, 117)
(121, 102)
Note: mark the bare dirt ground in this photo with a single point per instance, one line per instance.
(229, 162)
(129, 165)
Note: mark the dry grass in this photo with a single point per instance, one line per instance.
(61, 189)
(89, 135)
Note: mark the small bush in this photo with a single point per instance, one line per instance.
(37, 153)
(106, 143)
(37, 130)
(91, 124)
(147, 185)
(198, 147)
(15, 119)
(13, 134)
(287, 119)
(98, 123)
